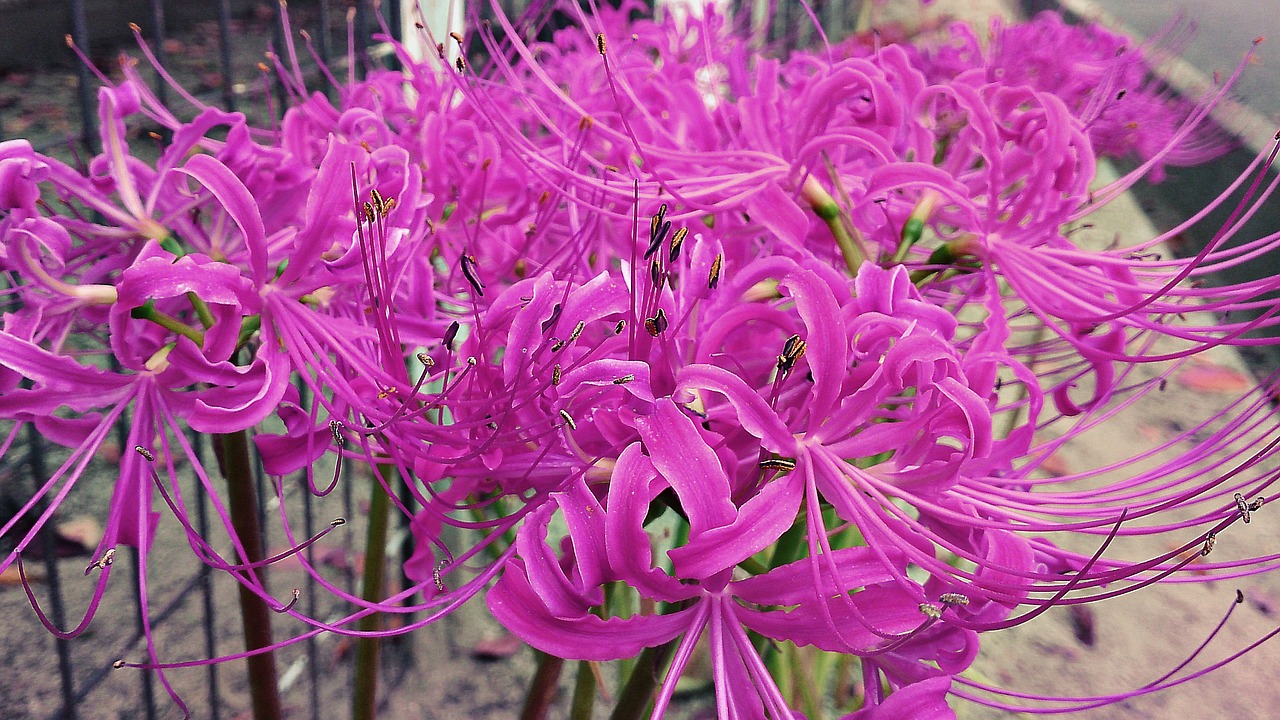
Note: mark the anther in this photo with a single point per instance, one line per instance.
(655, 273)
(1239, 596)
(677, 241)
(555, 374)
(426, 360)
(335, 428)
(134, 27)
(624, 379)
(461, 64)
(778, 463)
(656, 324)
(144, 453)
(296, 594)
(713, 277)
(658, 229)
(1257, 504)
(568, 420)
(577, 331)
(435, 574)
(792, 351)
(337, 522)
(469, 272)
(1243, 506)
(933, 611)
(118, 664)
(472, 361)
(1209, 542)
(600, 44)
(622, 325)
(451, 334)
(456, 36)
(953, 598)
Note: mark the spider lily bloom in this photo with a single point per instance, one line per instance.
(548, 599)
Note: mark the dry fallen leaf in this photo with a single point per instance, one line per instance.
(499, 648)
(1213, 378)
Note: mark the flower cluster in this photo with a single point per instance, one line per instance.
(694, 344)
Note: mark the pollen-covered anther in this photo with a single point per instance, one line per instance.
(600, 43)
(1242, 506)
(435, 574)
(622, 325)
(933, 611)
(1209, 542)
(460, 64)
(294, 601)
(118, 664)
(624, 379)
(144, 453)
(577, 331)
(103, 562)
(555, 374)
(469, 272)
(426, 360)
(1257, 504)
(713, 277)
(472, 361)
(792, 350)
(655, 273)
(953, 598)
(778, 463)
(568, 420)
(677, 241)
(335, 429)
(457, 36)
(657, 324)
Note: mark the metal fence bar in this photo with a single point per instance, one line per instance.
(35, 460)
(84, 91)
(158, 35)
(224, 55)
(206, 576)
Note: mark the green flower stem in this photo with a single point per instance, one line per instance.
(584, 693)
(826, 208)
(168, 322)
(233, 456)
(636, 695)
(542, 689)
(364, 696)
(202, 310)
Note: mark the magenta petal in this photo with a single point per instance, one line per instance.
(683, 458)
(584, 637)
(239, 205)
(828, 352)
(889, 610)
(244, 404)
(633, 487)
(779, 213)
(924, 700)
(752, 411)
(330, 190)
(760, 522)
(792, 584)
